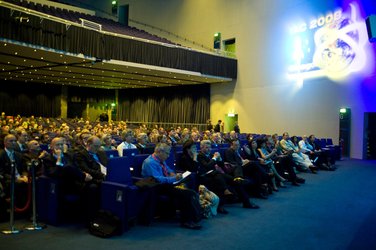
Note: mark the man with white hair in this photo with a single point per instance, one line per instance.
(188, 201)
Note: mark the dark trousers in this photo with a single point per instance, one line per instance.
(217, 183)
(187, 201)
(286, 164)
(90, 200)
(257, 174)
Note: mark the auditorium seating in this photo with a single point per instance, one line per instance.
(112, 153)
(107, 24)
(136, 164)
(120, 196)
(53, 207)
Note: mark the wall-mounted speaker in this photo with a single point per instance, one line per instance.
(371, 28)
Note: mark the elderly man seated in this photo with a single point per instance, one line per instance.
(187, 199)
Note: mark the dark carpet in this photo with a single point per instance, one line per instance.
(333, 210)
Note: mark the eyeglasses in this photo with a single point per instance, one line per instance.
(166, 152)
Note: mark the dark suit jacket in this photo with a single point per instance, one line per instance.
(29, 159)
(52, 170)
(86, 162)
(5, 165)
(18, 148)
(232, 157)
(188, 164)
(207, 163)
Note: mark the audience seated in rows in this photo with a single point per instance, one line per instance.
(75, 156)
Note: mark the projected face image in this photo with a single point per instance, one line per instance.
(333, 46)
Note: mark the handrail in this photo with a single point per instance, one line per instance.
(69, 23)
(215, 51)
(170, 33)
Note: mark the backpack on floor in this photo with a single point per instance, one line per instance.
(105, 224)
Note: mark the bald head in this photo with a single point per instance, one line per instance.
(33, 146)
(93, 144)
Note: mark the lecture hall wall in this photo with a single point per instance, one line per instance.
(299, 61)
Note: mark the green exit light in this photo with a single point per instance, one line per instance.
(113, 104)
(342, 111)
(113, 2)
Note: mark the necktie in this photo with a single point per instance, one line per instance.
(164, 169)
(11, 156)
(129, 146)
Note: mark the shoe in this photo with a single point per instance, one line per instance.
(313, 169)
(241, 181)
(251, 205)
(262, 196)
(222, 211)
(300, 180)
(191, 225)
(324, 167)
(281, 185)
(295, 183)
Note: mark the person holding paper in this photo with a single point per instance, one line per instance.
(187, 199)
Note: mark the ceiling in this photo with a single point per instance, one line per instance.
(20, 62)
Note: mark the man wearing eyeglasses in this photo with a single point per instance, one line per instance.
(188, 201)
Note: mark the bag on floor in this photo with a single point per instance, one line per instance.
(105, 224)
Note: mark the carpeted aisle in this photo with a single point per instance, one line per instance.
(333, 210)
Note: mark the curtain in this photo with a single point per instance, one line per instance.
(51, 34)
(184, 104)
(30, 99)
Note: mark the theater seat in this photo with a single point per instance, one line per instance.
(112, 153)
(52, 206)
(120, 196)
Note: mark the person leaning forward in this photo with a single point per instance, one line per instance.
(187, 199)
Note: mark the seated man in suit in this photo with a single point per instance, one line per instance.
(92, 161)
(60, 166)
(9, 159)
(22, 139)
(188, 200)
(244, 167)
(218, 181)
(34, 156)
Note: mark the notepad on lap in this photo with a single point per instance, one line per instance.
(183, 177)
